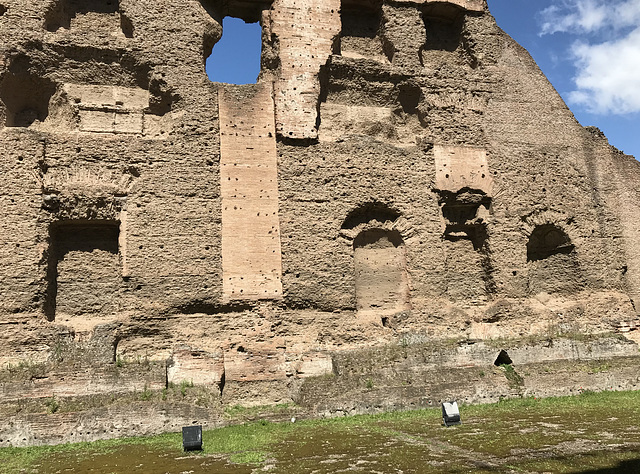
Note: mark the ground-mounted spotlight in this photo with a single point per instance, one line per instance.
(192, 438)
(450, 414)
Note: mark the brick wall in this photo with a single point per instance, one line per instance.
(251, 259)
(306, 30)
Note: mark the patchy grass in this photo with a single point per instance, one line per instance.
(515, 379)
(243, 413)
(566, 434)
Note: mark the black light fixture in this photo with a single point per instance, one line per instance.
(450, 414)
(192, 438)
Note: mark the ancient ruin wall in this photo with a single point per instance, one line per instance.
(404, 172)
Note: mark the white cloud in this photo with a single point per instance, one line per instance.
(588, 16)
(607, 55)
(608, 79)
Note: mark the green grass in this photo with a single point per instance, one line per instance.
(488, 432)
(17, 459)
(248, 443)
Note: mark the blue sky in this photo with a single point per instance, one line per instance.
(589, 50)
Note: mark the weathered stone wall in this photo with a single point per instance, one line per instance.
(400, 170)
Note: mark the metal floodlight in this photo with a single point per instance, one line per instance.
(450, 414)
(192, 438)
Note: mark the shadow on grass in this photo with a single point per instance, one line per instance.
(628, 466)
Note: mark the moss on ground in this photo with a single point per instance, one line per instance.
(566, 434)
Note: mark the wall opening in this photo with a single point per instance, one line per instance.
(552, 261)
(503, 359)
(381, 276)
(95, 15)
(3, 9)
(235, 59)
(83, 274)
(25, 98)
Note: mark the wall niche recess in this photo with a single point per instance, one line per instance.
(99, 16)
(25, 98)
(83, 268)
(361, 30)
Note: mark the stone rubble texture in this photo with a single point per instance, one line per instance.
(401, 171)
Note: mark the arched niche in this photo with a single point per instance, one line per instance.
(552, 261)
(380, 271)
(367, 214)
(547, 240)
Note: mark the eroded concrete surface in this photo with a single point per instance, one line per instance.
(402, 171)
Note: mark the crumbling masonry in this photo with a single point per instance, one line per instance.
(401, 175)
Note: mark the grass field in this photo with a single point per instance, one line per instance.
(592, 432)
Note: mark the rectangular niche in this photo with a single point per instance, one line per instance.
(109, 109)
(99, 16)
(84, 269)
(360, 37)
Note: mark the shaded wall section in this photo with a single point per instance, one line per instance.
(84, 269)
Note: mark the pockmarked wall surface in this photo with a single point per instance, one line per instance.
(401, 171)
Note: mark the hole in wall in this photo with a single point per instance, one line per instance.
(235, 59)
(3, 9)
(503, 359)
